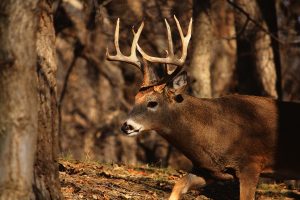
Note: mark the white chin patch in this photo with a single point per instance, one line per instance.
(137, 128)
(133, 134)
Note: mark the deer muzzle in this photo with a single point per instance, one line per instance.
(131, 128)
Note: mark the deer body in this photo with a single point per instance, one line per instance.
(227, 137)
(213, 133)
(232, 137)
(228, 132)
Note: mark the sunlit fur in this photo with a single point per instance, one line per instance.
(230, 137)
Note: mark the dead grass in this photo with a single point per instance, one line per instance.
(92, 180)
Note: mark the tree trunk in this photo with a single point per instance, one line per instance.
(224, 61)
(265, 65)
(289, 31)
(136, 7)
(261, 45)
(202, 43)
(46, 180)
(18, 99)
(270, 14)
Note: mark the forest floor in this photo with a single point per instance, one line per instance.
(92, 180)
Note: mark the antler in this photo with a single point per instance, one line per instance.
(171, 59)
(132, 59)
(149, 76)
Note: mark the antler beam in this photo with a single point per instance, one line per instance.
(132, 59)
(171, 58)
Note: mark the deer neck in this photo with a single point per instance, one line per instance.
(188, 127)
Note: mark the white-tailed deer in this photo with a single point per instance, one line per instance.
(232, 137)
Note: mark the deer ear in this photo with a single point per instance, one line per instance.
(179, 83)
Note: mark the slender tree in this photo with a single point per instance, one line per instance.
(202, 44)
(46, 180)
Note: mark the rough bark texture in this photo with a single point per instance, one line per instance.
(202, 44)
(265, 63)
(271, 16)
(289, 31)
(46, 180)
(18, 99)
(261, 45)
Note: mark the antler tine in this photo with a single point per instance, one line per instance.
(170, 40)
(117, 31)
(132, 59)
(171, 59)
(185, 39)
(136, 39)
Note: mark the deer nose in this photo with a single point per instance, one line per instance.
(126, 127)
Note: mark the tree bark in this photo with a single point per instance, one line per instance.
(224, 61)
(289, 31)
(136, 7)
(261, 45)
(18, 99)
(46, 177)
(202, 43)
(265, 65)
(271, 15)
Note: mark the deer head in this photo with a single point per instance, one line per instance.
(156, 97)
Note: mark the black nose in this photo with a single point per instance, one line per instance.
(126, 127)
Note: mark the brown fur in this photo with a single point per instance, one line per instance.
(230, 137)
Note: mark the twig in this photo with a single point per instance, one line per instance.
(249, 18)
(295, 42)
(104, 3)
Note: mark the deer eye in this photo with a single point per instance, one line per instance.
(152, 104)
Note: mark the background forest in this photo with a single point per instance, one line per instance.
(249, 49)
(237, 46)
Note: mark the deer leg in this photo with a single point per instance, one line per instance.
(185, 183)
(248, 182)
